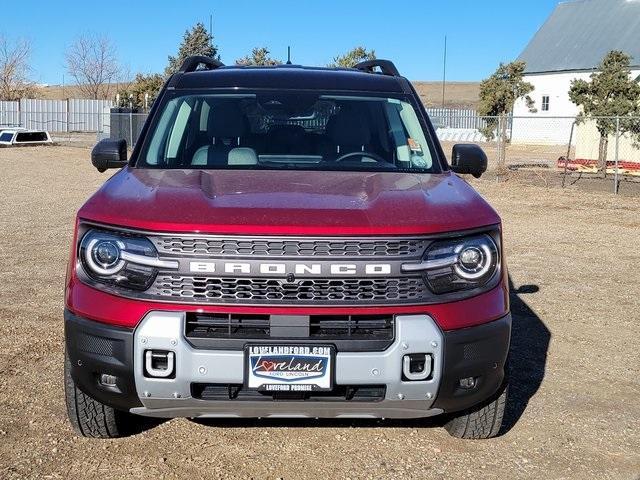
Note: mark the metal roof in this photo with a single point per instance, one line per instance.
(290, 76)
(579, 33)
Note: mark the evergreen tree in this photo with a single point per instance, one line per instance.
(352, 57)
(612, 92)
(259, 57)
(498, 94)
(143, 85)
(197, 41)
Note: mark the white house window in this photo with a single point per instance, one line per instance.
(545, 103)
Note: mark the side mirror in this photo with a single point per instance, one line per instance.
(109, 154)
(468, 158)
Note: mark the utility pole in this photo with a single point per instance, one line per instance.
(444, 70)
(211, 28)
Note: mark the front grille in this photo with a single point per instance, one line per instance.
(355, 327)
(320, 327)
(278, 247)
(252, 290)
(227, 326)
(237, 392)
(355, 333)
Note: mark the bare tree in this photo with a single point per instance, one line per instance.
(91, 61)
(15, 69)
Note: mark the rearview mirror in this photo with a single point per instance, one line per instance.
(109, 154)
(468, 158)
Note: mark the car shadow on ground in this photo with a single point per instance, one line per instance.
(530, 340)
(527, 359)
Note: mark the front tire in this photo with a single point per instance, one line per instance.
(91, 418)
(480, 422)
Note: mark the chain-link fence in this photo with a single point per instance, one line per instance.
(602, 147)
(596, 147)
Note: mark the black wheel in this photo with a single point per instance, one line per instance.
(91, 418)
(483, 421)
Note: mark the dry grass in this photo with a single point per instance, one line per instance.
(573, 413)
(59, 92)
(457, 94)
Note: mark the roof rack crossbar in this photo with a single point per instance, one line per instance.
(192, 63)
(386, 66)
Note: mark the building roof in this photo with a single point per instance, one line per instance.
(579, 33)
(290, 76)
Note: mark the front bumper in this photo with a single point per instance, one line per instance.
(479, 352)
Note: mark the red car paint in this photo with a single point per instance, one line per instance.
(288, 202)
(285, 203)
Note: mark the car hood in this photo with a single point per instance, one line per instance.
(288, 202)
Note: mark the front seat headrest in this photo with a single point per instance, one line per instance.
(349, 127)
(242, 156)
(226, 120)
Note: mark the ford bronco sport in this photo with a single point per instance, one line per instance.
(286, 241)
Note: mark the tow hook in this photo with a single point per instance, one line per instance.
(417, 366)
(159, 363)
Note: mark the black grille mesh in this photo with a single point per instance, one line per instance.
(321, 327)
(289, 248)
(96, 345)
(402, 289)
(341, 393)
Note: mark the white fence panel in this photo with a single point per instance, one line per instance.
(44, 114)
(455, 118)
(88, 115)
(9, 113)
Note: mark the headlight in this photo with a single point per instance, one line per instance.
(117, 259)
(103, 256)
(459, 264)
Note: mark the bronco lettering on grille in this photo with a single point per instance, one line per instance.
(306, 269)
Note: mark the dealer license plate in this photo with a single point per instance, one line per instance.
(289, 368)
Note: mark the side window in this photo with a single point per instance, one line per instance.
(179, 128)
(406, 131)
(204, 116)
(417, 142)
(398, 133)
(545, 103)
(159, 138)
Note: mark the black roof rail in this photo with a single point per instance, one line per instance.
(386, 66)
(192, 63)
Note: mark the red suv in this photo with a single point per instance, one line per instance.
(286, 241)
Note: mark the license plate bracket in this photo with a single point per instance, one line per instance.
(289, 368)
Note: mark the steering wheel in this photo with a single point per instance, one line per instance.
(373, 156)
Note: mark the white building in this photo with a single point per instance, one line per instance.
(570, 45)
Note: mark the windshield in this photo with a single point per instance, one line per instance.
(288, 131)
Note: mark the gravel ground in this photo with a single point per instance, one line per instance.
(574, 410)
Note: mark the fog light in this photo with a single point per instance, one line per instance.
(108, 380)
(468, 383)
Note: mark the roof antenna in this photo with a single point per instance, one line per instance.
(288, 55)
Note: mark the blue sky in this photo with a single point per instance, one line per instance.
(480, 33)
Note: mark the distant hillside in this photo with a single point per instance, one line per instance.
(58, 92)
(457, 94)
